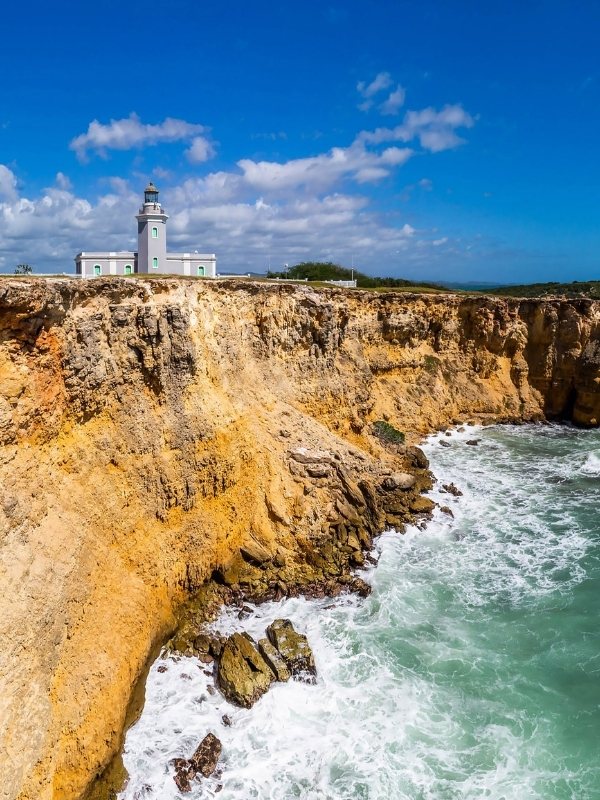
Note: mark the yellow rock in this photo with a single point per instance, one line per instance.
(145, 427)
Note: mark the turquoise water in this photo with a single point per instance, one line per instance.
(472, 671)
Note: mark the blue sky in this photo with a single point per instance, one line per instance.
(434, 140)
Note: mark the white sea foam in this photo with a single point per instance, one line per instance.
(591, 465)
(416, 698)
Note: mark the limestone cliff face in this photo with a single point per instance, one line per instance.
(147, 439)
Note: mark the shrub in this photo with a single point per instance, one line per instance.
(431, 364)
(387, 433)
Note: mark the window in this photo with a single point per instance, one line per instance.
(155, 233)
(97, 269)
(155, 263)
(128, 269)
(201, 271)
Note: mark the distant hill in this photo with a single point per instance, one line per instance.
(574, 289)
(328, 271)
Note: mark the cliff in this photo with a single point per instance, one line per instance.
(155, 433)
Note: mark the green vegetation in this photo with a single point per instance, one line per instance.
(328, 271)
(387, 433)
(23, 269)
(431, 364)
(574, 289)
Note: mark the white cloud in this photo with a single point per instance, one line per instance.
(8, 183)
(119, 185)
(382, 80)
(130, 132)
(316, 206)
(218, 213)
(62, 181)
(394, 102)
(200, 150)
(319, 173)
(160, 172)
(395, 156)
(365, 105)
(435, 130)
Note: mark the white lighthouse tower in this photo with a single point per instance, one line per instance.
(152, 233)
(152, 257)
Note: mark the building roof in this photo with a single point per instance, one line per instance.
(151, 188)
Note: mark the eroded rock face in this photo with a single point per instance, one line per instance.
(156, 432)
(275, 660)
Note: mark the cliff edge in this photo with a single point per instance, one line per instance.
(155, 433)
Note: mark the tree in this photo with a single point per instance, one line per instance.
(23, 269)
(327, 271)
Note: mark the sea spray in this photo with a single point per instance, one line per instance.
(471, 671)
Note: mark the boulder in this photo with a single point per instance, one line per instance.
(293, 648)
(422, 505)
(202, 644)
(399, 480)
(417, 458)
(304, 456)
(473, 442)
(361, 587)
(203, 762)
(318, 470)
(216, 646)
(255, 553)
(354, 542)
(182, 775)
(206, 756)
(452, 489)
(351, 489)
(274, 659)
(243, 675)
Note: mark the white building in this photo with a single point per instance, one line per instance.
(152, 256)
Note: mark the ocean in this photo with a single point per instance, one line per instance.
(472, 671)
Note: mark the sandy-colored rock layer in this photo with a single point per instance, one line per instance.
(154, 433)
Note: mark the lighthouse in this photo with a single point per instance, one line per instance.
(152, 233)
(151, 257)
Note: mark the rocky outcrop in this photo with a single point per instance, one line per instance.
(243, 674)
(245, 670)
(155, 434)
(203, 762)
(293, 648)
(275, 660)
